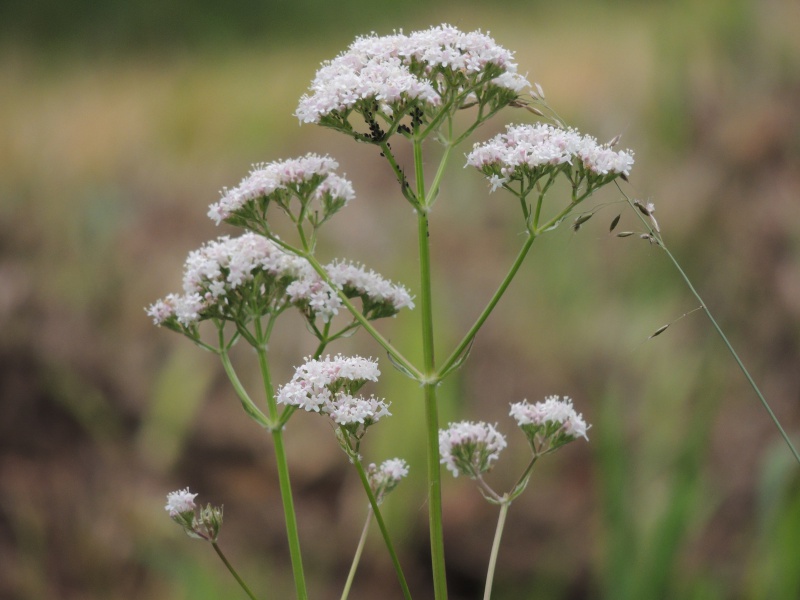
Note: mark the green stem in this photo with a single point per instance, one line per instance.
(395, 354)
(292, 534)
(429, 386)
(656, 235)
(437, 179)
(470, 335)
(739, 362)
(249, 406)
(357, 558)
(501, 521)
(233, 572)
(373, 502)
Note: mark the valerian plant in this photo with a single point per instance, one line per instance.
(430, 90)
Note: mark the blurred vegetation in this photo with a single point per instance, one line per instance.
(119, 121)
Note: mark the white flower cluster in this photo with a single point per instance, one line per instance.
(311, 293)
(358, 281)
(221, 267)
(468, 448)
(180, 502)
(267, 178)
(526, 149)
(553, 414)
(380, 296)
(385, 478)
(327, 386)
(391, 70)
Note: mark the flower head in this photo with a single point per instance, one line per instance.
(384, 78)
(385, 478)
(328, 386)
(551, 423)
(468, 448)
(380, 297)
(251, 276)
(527, 153)
(355, 411)
(308, 178)
(202, 524)
(180, 502)
(223, 275)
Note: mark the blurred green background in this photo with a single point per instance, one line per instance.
(118, 123)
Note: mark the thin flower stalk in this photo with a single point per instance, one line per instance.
(233, 572)
(498, 534)
(655, 235)
(373, 502)
(357, 556)
(468, 338)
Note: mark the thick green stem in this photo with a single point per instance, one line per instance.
(292, 534)
(429, 386)
(501, 521)
(233, 572)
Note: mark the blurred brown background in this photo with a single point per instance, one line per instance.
(118, 123)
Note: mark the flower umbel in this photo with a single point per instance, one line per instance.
(387, 78)
(180, 502)
(549, 424)
(202, 524)
(527, 153)
(239, 279)
(468, 448)
(328, 386)
(385, 478)
(230, 279)
(308, 178)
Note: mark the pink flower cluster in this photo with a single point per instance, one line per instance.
(384, 478)
(220, 268)
(525, 150)
(360, 282)
(180, 502)
(394, 69)
(555, 413)
(267, 178)
(327, 386)
(468, 448)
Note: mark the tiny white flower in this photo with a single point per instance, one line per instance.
(495, 181)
